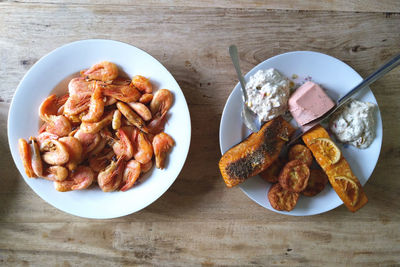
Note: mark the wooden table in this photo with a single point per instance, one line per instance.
(198, 221)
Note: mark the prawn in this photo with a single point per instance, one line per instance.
(36, 160)
(141, 109)
(123, 147)
(74, 148)
(131, 174)
(104, 71)
(144, 151)
(96, 106)
(88, 141)
(110, 179)
(99, 163)
(146, 98)
(116, 121)
(42, 137)
(56, 153)
(94, 127)
(25, 153)
(162, 143)
(142, 83)
(56, 173)
(125, 93)
(157, 124)
(132, 116)
(161, 102)
(82, 178)
(146, 167)
(58, 125)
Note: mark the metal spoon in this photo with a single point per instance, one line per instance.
(248, 116)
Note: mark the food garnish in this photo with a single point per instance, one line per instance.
(326, 148)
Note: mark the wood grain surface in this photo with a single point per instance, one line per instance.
(198, 221)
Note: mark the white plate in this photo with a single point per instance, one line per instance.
(337, 78)
(47, 73)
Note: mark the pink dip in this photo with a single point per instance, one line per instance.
(309, 102)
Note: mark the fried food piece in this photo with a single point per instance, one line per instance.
(271, 174)
(301, 153)
(256, 153)
(294, 176)
(316, 183)
(282, 199)
(342, 179)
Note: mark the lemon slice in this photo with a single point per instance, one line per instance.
(349, 187)
(329, 149)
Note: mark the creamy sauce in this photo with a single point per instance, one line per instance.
(268, 93)
(354, 123)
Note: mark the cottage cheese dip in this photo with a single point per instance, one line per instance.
(354, 123)
(268, 94)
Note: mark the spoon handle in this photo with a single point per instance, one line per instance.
(235, 60)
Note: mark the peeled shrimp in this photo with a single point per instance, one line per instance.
(56, 173)
(125, 93)
(37, 164)
(56, 153)
(103, 71)
(116, 121)
(80, 179)
(96, 106)
(25, 153)
(74, 148)
(144, 151)
(110, 179)
(131, 116)
(88, 141)
(162, 143)
(161, 102)
(123, 147)
(94, 127)
(142, 83)
(131, 174)
(141, 109)
(146, 98)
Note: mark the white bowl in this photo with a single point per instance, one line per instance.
(337, 78)
(40, 81)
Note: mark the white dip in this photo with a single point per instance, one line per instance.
(354, 123)
(268, 93)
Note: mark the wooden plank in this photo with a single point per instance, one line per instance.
(390, 6)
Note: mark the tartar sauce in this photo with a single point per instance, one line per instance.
(268, 93)
(354, 123)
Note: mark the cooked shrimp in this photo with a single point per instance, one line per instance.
(56, 153)
(48, 107)
(141, 109)
(36, 160)
(88, 141)
(146, 98)
(103, 71)
(131, 116)
(161, 103)
(162, 143)
(41, 138)
(110, 179)
(80, 179)
(116, 122)
(110, 101)
(80, 87)
(25, 153)
(96, 106)
(123, 147)
(76, 104)
(56, 173)
(147, 166)
(94, 127)
(58, 125)
(131, 174)
(144, 151)
(142, 83)
(125, 93)
(74, 148)
(100, 146)
(157, 124)
(100, 162)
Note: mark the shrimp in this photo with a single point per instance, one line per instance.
(94, 127)
(58, 125)
(36, 160)
(157, 124)
(74, 148)
(100, 146)
(161, 102)
(146, 98)
(48, 107)
(110, 101)
(131, 174)
(141, 109)
(162, 143)
(82, 178)
(56, 173)
(103, 71)
(142, 83)
(80, 87)
(55, 152)
(123, 147)
(25, 153)
(144, 151)
(80, 92)
(125, 93)
(116, 121)
(99, 163)
(96, 106)
(89, 141)
(131, 116)
(110, 179)
(41, 138)
(146, 167)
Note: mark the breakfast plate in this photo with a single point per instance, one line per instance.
(337, 78)
(51, 75)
